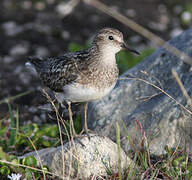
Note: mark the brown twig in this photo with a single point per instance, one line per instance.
(38, 156)
(160, 89)
(175, 74)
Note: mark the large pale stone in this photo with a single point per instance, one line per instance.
(93, 158)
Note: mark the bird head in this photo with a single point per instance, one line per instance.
(111, 40)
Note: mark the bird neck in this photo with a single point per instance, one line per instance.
(104, 56)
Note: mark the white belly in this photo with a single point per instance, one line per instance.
(80, 93)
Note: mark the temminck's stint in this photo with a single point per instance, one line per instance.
(86, 75)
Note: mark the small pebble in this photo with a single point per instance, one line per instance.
(27, 5)
(65, 35)
(36, 119)
(32, 109)
(186, 17)
(40, 6)
(131, 13)
(157, 26)
(8, 59)
(64, 8)
(19, 49)
(11, 28)
(41, 51)
(18, 69)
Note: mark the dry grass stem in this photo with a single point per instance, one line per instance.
(70, 140)
(60, 133)
(182, 87)
(40, 161)
(153, 85)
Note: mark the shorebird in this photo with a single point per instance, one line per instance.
(86, 75)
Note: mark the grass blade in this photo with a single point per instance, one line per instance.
(12, 127)
(119, 150)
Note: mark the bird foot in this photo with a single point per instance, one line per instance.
(88, 132)
(77, 138)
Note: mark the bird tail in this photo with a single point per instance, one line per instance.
(34, 63)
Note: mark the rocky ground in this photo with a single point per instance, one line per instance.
(44, 28)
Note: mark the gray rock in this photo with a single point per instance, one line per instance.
(11, 28)
(19, 49)
(97, 154)
(164, 121)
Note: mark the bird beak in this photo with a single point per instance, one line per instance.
(124, 46)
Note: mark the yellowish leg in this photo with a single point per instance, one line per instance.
(87, 131)
(85, 120)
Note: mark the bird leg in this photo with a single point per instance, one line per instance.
(72, 129)
(85, 116)
(85, 129)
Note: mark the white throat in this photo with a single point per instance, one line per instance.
(108, 55)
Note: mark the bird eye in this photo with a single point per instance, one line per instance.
(110, 37)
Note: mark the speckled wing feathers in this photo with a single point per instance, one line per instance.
(58, 72)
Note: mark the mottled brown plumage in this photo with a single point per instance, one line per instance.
(82, 67)
(84, 75)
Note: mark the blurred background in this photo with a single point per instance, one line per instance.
(52, 27)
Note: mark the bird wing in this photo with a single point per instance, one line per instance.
(58, 72)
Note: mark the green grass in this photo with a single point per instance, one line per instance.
(16, 140)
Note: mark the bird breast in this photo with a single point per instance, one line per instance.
(90, 85)
(79, 93)
(99, 77)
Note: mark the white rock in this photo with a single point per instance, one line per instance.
(97, 154)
